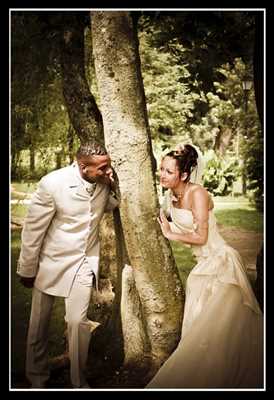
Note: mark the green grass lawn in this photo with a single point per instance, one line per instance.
(238, 212)
(20, 311)
(184, 259)
(25, 187)
(249, 220)
(229, 212)
(21, 298)
(22, 190)
(18, 210)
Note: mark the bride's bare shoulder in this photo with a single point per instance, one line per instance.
(198, 189)
(201, 191)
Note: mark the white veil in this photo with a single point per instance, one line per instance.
(197, 172)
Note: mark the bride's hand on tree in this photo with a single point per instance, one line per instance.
(164, 224)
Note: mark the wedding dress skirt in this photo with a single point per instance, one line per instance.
(221, 343)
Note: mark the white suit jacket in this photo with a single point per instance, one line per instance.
(61, 230)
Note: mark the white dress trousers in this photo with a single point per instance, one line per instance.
(79, 330)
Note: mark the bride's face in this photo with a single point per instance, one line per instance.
(169, 173)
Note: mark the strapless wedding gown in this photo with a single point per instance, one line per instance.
(221, 343)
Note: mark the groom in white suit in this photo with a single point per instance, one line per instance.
(60, 255)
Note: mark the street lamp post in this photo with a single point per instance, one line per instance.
(246, 88)
(247, 85)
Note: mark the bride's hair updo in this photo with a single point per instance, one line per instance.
(186, 157)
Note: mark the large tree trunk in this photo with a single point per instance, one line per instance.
(157, 305)
(86, 121)
(82, 109)
(85, 117)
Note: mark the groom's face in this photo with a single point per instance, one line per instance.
(169, 173)
(93, 168)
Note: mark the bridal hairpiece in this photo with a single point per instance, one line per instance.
(197, 172)
(179, 150)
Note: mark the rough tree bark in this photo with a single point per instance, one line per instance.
(157, 303)
(86, 122)
(82, 108)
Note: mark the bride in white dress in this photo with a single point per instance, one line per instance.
(221, 343)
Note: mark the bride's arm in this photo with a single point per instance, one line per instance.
(200, 206)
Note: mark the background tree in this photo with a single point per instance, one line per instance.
(217, 52)
(169, 101)
(39, 119)
(83, 111)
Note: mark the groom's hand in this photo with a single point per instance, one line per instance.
(113, 181)
(109, 175)
(27, 282)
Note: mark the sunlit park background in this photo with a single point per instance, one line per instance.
(193, 94)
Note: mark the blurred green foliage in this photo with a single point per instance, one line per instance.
(193, 87)
(220, 173)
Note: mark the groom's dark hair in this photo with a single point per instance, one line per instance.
(91, 148)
